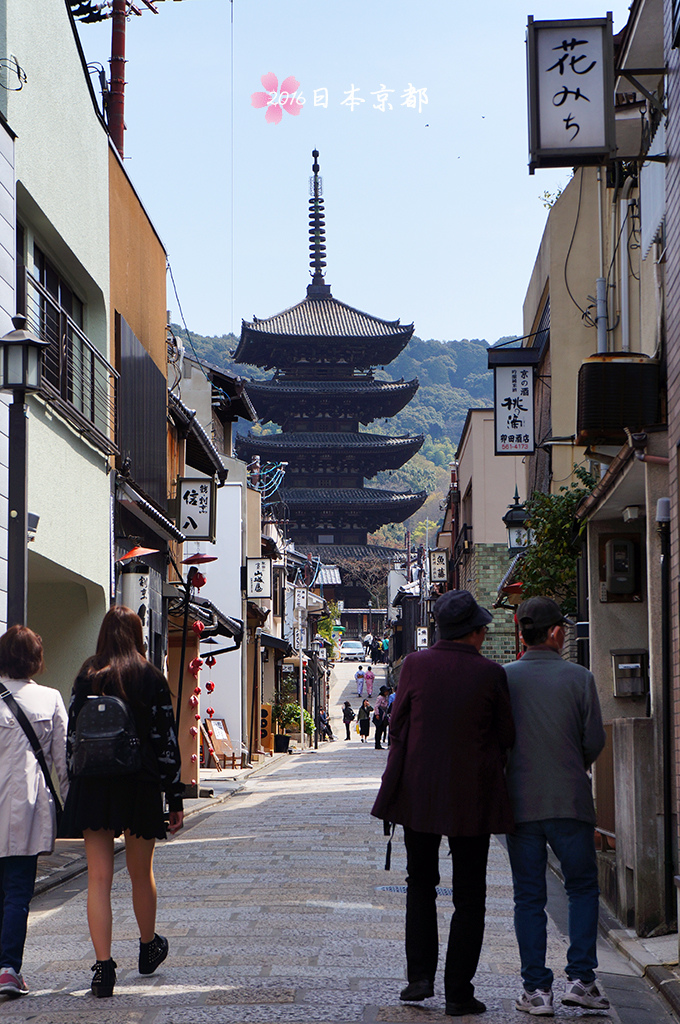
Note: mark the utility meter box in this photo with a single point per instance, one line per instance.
(620, 555)
(631, 672)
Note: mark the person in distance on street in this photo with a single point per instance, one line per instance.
(348, 717)
(364, 719)
(450, 727)
(101, 806)
(559, 735)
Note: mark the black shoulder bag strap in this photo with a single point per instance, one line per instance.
(35, 743)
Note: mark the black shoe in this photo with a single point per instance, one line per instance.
(152, 954)
(104, 978)
(379, 746)
(461, 1009)
(417, 990)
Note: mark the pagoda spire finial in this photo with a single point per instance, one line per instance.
(318, 289)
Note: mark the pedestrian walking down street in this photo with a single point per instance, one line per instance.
(367, 642)
(369, 679)
(28, 816)
(101, 806)
(348, 717)
(559, 735)
(450, 725)
(380, 717)
(325, 726)
(364, 719)
(359, 679)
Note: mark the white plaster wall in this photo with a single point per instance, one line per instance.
(224, 590)
(69, 488)
(61, 153)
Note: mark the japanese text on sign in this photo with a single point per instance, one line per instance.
(259, 577)
(196, 508)
(571, 91)
(514, 410)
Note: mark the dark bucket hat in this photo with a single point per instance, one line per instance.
(457, 613)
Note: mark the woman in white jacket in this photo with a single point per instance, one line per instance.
(27, 813)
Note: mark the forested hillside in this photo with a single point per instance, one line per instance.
(453, 377)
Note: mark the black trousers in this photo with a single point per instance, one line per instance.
(469, 856)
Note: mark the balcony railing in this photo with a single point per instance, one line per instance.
(77, 380)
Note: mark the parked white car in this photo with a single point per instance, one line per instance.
(351, 650)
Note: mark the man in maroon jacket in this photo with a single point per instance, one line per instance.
(450, 727)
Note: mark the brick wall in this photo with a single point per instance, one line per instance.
(480, 573)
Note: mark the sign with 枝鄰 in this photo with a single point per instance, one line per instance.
(514, 410)
(258, 577)
(571, 92)
(197, 504)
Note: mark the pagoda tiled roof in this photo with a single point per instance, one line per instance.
(327, 318)
(340, 551)
(357, 497)
(313, 440)
(362, 388)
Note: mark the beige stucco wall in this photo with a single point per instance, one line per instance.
(494, 477)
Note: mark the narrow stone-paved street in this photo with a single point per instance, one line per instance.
(276, 909)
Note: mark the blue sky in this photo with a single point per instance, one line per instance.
(431, 214)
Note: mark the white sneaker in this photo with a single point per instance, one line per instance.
(537, 1003)
(578, 993)
(11, 983)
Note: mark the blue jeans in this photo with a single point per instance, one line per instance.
(574, 845)
(17, 879)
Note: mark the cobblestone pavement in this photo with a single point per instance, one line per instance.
(276, 910)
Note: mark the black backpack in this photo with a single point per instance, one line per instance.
(106, 741)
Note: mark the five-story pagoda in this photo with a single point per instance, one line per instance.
(324, 352)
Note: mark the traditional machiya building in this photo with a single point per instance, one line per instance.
(323, 391)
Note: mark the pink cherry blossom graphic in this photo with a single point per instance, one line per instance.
(276, 100)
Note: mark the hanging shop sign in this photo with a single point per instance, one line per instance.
(197, 505)
(513, 406)
(438, 566)
(258, 577)
(571, 92)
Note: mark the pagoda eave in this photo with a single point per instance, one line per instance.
(309, 450)
(366, 400)
(268, 351)
(346, 508)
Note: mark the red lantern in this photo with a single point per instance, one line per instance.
(211, 751)
(197, 690)
(199, 580)
(210, 661)
(193, 700)
(210, 712)
(193, 731)
(195, 666)
(198, 627)
(197, 717)
(209, 687)
(194, 758)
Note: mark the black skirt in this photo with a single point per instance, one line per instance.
(119, 803)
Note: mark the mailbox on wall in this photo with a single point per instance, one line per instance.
(631, 672)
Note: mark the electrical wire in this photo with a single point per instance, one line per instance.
(584, 312)
(181, 313)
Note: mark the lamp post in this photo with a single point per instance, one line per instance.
(370, 616)
(518, 536)
(21, 373)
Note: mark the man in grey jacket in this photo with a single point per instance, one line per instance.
(559, 734)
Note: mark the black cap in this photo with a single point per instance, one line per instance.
(541, 613)
(457, 613)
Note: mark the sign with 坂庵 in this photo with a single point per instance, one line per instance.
(571, 92)
(514, 410)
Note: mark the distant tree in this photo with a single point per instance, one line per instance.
(369, 573)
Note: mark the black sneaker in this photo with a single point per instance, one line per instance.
(470, 1007)
(152, 954)
(415, 991)
(104, 978)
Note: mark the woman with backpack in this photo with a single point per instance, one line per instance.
(124, 795)
(29, 714)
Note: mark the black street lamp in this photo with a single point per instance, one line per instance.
(518, 536)
(21, 373)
